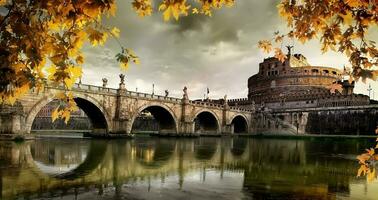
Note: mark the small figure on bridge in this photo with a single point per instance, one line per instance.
(185, 90)
(166, 93)
(122, 77)
(225, 99)
(122, 83)
(104, 82)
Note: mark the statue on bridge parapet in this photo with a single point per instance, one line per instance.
(166, 93)
(225, 100)
(104, 82)
(122, 83)
(185, 96)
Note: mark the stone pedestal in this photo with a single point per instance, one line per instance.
(12, 120)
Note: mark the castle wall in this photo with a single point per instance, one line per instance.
(349, 122)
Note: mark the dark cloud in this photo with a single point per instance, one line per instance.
(219, 52)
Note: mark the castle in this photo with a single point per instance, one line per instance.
(294, 97)
(294, 83)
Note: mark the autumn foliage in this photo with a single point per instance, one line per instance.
(368, 163)
(339, 25)
(41, 41)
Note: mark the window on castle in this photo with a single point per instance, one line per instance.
(315, 70)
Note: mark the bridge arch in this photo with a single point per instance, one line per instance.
(93, 109)
(240, 123)
(206, 121)
(163, 114)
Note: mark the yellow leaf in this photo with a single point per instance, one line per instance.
(75, 71)
(370, 151)
(3, 2)
(66, 115)
(355, 3)
(265, 45)
(115, 31)
(335, 87)
(55, 114)
(11, 100)
(347, 18)
(371, 175)
(96, 37)
(167, 14)
(195, 11)
(124, 65)
(8, 27)
(80, 59)
(136, 60)
(162, 7)
(69, 82)
(279, 55)
(278, 38)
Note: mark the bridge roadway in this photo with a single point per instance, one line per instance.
(113, 111)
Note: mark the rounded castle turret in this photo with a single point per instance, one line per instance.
(292, 79)
(295, 83)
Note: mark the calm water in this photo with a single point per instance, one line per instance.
(202, 168)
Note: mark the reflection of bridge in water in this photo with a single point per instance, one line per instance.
(265, 164)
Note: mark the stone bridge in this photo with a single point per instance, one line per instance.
(113, 111)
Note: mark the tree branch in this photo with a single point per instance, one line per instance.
(8, 14)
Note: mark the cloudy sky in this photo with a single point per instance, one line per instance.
(218, 52)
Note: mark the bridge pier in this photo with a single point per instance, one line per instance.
(12, 122)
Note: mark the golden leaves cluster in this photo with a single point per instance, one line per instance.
(267, 46)
(125, 57)
(177, 8)
(66, 106)
(34, 34)
(341, 26)
(368, 163)
(335, 87)
(142, 7)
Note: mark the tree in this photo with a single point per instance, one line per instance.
(41, 41)
(339, 25)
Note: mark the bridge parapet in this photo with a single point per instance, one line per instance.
(97, 89)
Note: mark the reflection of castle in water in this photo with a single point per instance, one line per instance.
(281, 167)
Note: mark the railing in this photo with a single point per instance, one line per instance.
(92, 88)
(214, 105)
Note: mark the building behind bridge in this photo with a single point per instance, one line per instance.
(294, 83)
(295, 93)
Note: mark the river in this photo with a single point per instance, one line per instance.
(184, 168)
